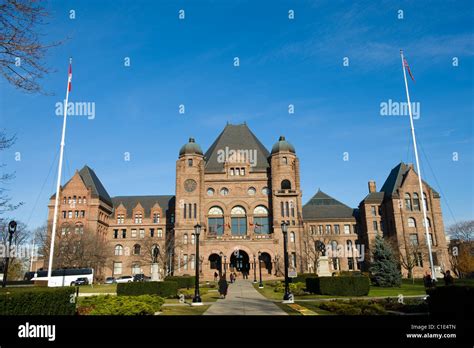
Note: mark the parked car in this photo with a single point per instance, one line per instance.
(124, 279)
(140, 278)
(80, 281)
(110, 280)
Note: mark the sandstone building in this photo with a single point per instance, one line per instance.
(240, 193)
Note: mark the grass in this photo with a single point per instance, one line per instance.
(183, 310)
(98, 288)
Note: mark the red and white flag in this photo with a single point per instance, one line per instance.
(405, 63)
(69, 78)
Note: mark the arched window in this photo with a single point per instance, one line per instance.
(118, 250)
(64, 229)
(79, 229)
(286, 185)
(136, 269)
(136, 249)
(185, 238)
(261, 220)
(416, 201)
(335, 260)
(193, 238)
(429, 222)
(425, 202)
(215, 221)
(238, 221)
(292, 237)
(411, 222)
(408, 201)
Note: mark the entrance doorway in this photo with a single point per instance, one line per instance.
(239, 261)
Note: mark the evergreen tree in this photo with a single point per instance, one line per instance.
(384, 268)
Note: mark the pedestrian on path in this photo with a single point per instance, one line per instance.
(223, 286)
(215, 276)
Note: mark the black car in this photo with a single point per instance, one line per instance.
(80, 281)
(140, 278)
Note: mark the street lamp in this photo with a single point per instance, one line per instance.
(225, 264)
(254, 270)
(260, 285)
(11, 231)
(284, 229)
(197, 298)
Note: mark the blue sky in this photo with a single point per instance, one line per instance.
(282, 62)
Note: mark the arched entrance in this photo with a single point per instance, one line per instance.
(266, 261)
(215, 262)
(239, 261)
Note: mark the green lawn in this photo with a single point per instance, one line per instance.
(183, 310)
(98, 288)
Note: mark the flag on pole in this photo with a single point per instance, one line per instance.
(405, 63)
(69, 85)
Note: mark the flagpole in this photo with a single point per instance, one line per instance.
(412, 126)
(58, 184)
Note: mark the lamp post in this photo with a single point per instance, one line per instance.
(284, 229)
(197, 298)
(221, 254)
(225, 264)
(11, 231)
(260, 285)
(254, 269)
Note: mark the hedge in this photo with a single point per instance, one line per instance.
(301, 278)
(120, 305)
(339, 286)
(451, 300)
(38, 301)
(163, 289)
(183, 281)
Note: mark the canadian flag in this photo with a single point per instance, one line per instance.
(69, 78)
(405, 63)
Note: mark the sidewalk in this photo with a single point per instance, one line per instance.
(243, 299)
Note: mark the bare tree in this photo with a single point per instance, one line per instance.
(77, 249)
(17, 251)
(310, 252)
(411, 256)
(22, 51)
(461, 247)
(5, 205)
(462, 231)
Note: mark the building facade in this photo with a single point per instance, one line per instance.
(240, 193)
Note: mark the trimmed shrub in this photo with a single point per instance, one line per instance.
(38, 301)
(339, 286)
(121, 305)
(165, 289)
(353, 307)
(301, 278)
(451, 300)
(184, 282)
(297, 289)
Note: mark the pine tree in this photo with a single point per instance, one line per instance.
(384, 268)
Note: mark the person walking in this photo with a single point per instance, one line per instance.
(215, 276)
(448, 278)
(223, 286)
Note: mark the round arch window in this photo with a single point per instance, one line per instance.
(251, 191)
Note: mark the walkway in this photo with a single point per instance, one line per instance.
(243, 299)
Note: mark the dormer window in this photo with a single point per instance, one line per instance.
(138, 218)
(156, 218)
(120, 218)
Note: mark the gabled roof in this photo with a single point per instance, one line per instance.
(323, 206)
(147, 202)
(91, 180)
(395, 180)
(236, 137)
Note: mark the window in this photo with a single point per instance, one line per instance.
(293, 260)
(124, 233)
(64, 214)
(69, 214)
(282, 208)
(242, 171)
(266, 191)
(69, 200)
(224, 191)
(284, 160)
(193, 261)
(419, 259)
(116, 234)
(84, 200)
(411, 222)
(156, 218)
(430, 238)
(152, 232)
(136, 269)
(374, 210)
(216, 221)
(414, 239)
(134, 233)
(65, 229)
(190, 162)
(407, 201)
(137, 249)
(251, 191)
(320, 229)
(79, 229)
(142, 232)
(261, 220)
(416, 201)
(286, 185)
(287, 209)
(210, 192)
(336, 229)
(118, 250)
(117, 268)
(232, 171)
(328, 229)
(76, 213)
(193, 238)
(120, 219)
(83, 213)
(292, 237)
(138, 218)
(425, 202)
(159, 233)
(80, 200)
(237, 171)
(185, 262)
(347, 229)
(238, 221)
(184, 210)
(74, 200)
(195, 210)
(375, 225)
(64, 200)
(190, 210)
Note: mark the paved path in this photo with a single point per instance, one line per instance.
(243, 299)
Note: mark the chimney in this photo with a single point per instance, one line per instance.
(372, 186)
